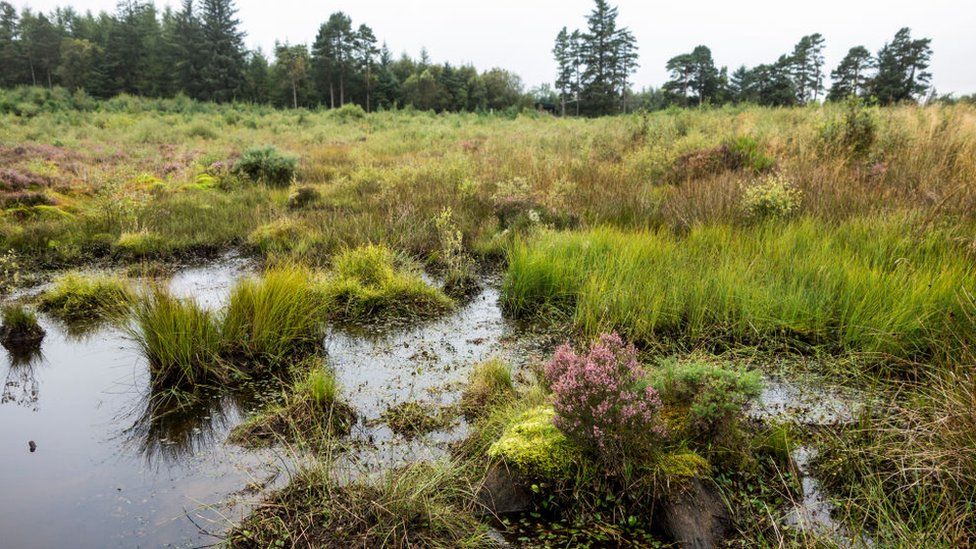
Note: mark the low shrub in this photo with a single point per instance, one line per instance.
(347, 112)
(365, 287)
(304, 197)
(267, 165)
(76, 297)
(714, 395)
(773, 197)
(602, 401)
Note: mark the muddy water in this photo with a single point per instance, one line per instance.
(108, 473)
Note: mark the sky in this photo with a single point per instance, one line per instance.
(518, 34)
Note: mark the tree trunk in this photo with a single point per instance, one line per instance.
(331, 95)
(342, 89)
(294, 95)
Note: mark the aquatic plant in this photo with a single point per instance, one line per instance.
(602, 401)
(275, 318)
(75, 297)
(411, 419)
(19, 328)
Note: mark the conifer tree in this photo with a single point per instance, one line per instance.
(851, 77)
(223, 59)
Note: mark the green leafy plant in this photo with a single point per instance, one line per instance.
(267, 165)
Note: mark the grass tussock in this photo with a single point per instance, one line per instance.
(311, 413)
(365, 286)
(420, 505)
(268, 323)
(413, 419)
(870, 286)
(19, 328)
(489, 384)
(76, 297)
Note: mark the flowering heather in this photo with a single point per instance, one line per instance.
(601, 398)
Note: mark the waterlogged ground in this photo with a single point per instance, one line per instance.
(108, 472)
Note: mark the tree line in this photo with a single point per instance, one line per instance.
(198, 50)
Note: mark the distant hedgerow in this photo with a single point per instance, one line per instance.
(267, 165)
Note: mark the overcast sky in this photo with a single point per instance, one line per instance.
(518, 34)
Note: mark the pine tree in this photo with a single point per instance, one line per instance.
(10, 55)
(333, 56)
(566, 68)
(387, 84)
(851, 75)
(902, 69)
(184, 45)
(366, 52)
(223, 58)
(609, 55)
(806, 67)
(291, 69)
(257, 78)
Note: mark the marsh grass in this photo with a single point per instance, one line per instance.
(19, 329)
(489, 384)
(413, 419)
(77, 297)
(424, 504)
(180, 340)
(365, 287)
(870, 286)
(311, 414)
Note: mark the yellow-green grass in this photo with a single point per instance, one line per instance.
(76, 296)
(871, 285)
(366, 286)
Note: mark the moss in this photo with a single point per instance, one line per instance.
(76, 297)
(682, 464)
(533, 444)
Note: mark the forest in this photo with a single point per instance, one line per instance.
(199, 51)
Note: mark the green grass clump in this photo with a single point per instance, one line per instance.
(280, 236)
(869, 285)
(180, 340)
(274, 318)
(141, 245)
(420, 505)
(365, 287)
(411, 419)
(75, 297)
(20, 327)
(267, 165)
(311, 414)
(489, 384)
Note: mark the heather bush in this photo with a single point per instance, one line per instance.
(602, 400)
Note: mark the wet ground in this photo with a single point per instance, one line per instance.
(109, 472)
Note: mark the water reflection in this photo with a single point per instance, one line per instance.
(21, 386)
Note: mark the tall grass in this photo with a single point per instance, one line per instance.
(871, 285)
(75, 297)
(180, 340)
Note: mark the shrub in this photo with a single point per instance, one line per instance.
(750, 155)
(349, 111)
(714, 395)
(773, 197)
(180, 340)
(533, 444)
(856, 133)
(267, 165)
(75, 297)
(365, 286)
(490, 383)
(602, 400)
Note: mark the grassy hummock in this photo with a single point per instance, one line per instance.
(312, 413)
(412, 419)
(489, 383)
(365, 287)
(20, 330)
(76, 297)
